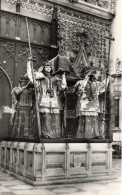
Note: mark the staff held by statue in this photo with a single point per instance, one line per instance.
(106, 78)
(33, 77)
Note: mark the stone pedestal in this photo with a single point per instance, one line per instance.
(55, 163)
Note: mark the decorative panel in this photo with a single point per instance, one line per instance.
(14, 27)
(14, 156)
(23, 29)
(7, 155)
(99, 162)
(77, 159)
(38, 162)
(99, 157)
(21, 157)
(29, 163)
(55, 160)
(3, 22)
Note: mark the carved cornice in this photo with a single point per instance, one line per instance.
(103, 4)
(97, 8)
(82, 6)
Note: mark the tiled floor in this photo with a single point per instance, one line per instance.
(11, 186)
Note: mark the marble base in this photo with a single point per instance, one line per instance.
(57, 163)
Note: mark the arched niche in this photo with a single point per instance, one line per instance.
(5, 100)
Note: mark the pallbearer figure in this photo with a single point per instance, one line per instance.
(87, 108)
(23, 104)
(49, 89)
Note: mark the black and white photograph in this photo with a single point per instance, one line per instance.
(60, 97)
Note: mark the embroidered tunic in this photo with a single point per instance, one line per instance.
(49, 101)
(88, 101)
(88, 107)
(23, 119)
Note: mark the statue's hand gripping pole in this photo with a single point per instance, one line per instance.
(33, 77)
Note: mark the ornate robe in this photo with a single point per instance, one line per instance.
(49, 90)
(88, 107)
(23, 119)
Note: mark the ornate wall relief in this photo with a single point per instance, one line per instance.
(16, 55)
(14, 27)
(106, 4)
(38, 5)
(71, 23)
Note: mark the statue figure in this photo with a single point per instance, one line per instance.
(87, 108)
(49, 90)
(23, 104)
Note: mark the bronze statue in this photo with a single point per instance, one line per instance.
(88, 108)
(49, 90)
(23, 103)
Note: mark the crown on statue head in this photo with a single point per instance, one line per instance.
(48, 63)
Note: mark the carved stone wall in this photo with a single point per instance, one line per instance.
(106, 4)
(71, 22)
(33, 4)
(16, 54)
(14, 27)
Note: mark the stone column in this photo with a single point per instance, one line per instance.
(116, 65)
(116, 31)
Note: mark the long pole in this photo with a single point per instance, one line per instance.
(36, 102)
(104, 106)
(106, 75)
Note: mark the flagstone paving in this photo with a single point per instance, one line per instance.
(12, 186)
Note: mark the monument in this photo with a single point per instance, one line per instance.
(54, 154)
(58, 131)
